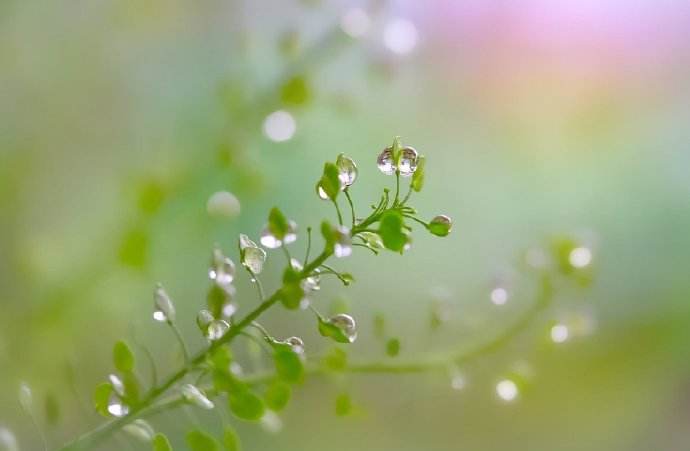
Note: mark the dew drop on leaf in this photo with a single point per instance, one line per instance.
(408, 161)
(141, 430)
(347, 170)
(385, 161)
(222, 269)
(116, 407)
(163, 308)
(216, 329)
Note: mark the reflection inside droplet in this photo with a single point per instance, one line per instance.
(559, 333)
(499, 296)
(580, 257)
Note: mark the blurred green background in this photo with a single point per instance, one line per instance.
(119, 118)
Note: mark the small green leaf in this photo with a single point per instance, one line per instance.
(151, 196)
(277, 223)
(231, 440)
(418, 177)
(278, 395)
(379, 325)
(200, 441)
(332, 331)
(292, 292)
(160, 443)
(220, 358)
(396, 148)
(393, 347)
(123, 358)
(295, 91)
(134, 248)
(245, 404)
(328, 234)
(391, 229)
(343, 405)
(289, 366)
(131, 384)
(52, 408)
(101, 396)
(330, 181)
(216, 299)
(335, 360)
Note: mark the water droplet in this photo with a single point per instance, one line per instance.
(268, 240)
(163, 308)
(222, 269)
(343, 242)
(499, 296)
(322, 194)
(140, 429)
(559, 333)
(253, 257)
(291, 235)
(440, 225)
(408, 243)
(116, 407)
(296, 344)
(195, 396)
(279, 126)
(8, 442)
(216, 329)
(372, 239)
(203, 319)
(223, 204)
(355, 23)
(271, 422)
(400, 36)
(117, 384)
(347, 171)
(304, 303)
(507, 390)
(408, 161)
(296, 264)
(26, 398)
(580, 257)
(345, 323)
(228, 309)
(385, 161)
(312, 283)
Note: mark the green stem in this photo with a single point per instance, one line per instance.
(418, 220)
(306, 254)
(397, 187)
(352, 206)
(337, 210)
(180, 340)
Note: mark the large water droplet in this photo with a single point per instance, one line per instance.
(117, 384)
(163, 308)
(343, 242)
(197, 397)
(223, 204)
(345, 323)
(216, 329)
(347, 171)
(385, 161)
(440, 225)
(8, 442)
(203, 319)
(116, 407)
(408, 161)
(140, 429)
(372, 239)
(253, 257)
(296, 344)
(222, 269)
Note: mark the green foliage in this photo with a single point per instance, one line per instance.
(123, 358)
(277, 395)
(295, 91)
(393, 347)
(329, 330)
(134, 248)
(335, 360)
(101, 395)
(215, 299)
(289, 366)
(343, 405)
(246, 405)
(200, 441)
(52, 409)
(292, 292)
(392, 231)
(277, 223)
(160, 443)
(231, 441)
(417, 182)
(330, 181)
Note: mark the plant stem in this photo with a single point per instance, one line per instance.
(180, 340)
(352, 206)
(337, 210)
(306, 254)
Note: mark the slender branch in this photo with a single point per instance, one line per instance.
(352, 206)
(337, 210)
(417, 220)
(180, 340)
(306, 254)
